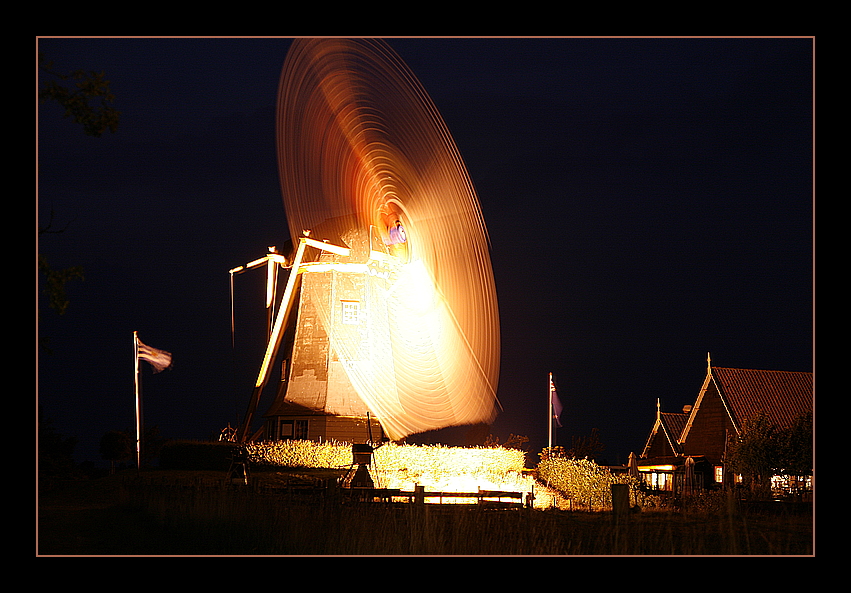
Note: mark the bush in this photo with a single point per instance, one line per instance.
(450, 468)
(588, 484)
(197, 455)
(401, 466)
(305, 454)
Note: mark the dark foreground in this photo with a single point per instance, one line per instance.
(193, 513)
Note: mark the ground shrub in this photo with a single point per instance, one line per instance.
(196, 455)
(589, 485)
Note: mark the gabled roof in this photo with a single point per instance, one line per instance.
(782, 395)
(668, 425)
(674, 424)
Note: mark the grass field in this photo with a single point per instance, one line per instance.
(193, 513)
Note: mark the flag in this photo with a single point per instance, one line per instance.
(159, 359)
(555, 402)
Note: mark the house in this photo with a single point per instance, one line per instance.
(687, 449)
(662, 455)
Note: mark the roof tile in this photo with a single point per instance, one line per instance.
(782, 395)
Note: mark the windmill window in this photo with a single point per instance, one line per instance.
(301, 429)
(351, 312)
(293, 429)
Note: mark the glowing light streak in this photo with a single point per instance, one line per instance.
(337, 267)
(281, 322)
(324, 246)
(283, 314)
(256, 262)
(271, 282)
(361, 146)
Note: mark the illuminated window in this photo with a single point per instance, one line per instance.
(351, 312)
(658, 480)
(719, 474)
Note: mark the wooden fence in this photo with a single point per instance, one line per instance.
(420, 496)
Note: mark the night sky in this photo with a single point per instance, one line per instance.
(649, 201)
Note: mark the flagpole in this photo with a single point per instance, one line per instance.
(138, 402)
(550, 410)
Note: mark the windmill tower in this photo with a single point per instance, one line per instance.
(340, 325)
(390, 295)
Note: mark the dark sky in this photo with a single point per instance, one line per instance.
(649, 201)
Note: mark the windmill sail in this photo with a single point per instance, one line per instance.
(408, 319)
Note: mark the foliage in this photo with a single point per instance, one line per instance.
(400, 466)
(587, 483)
(152, 444)
(547, 452)
(86, 97)
(298, 453)
(441, 466)
(189, 513)
(196, 455)
(116, 446)
(82, 89)
(712, 502)
(55, 281)
(514, 441)
(55, 451)
(586, 446)
(763, 449)
(754, 453)
(797, 447)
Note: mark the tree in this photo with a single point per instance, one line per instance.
(763, 449)
(55, 281)
(152, 444)
(75, 92)
(116, 446)
(55, 451)
(82, 89)
(797, 447)
(586, 447)
(752, 453)
(514, 441)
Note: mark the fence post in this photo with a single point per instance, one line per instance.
(620, 499)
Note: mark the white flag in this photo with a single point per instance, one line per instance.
(159, 359)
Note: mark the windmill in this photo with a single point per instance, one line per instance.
(389, 305)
